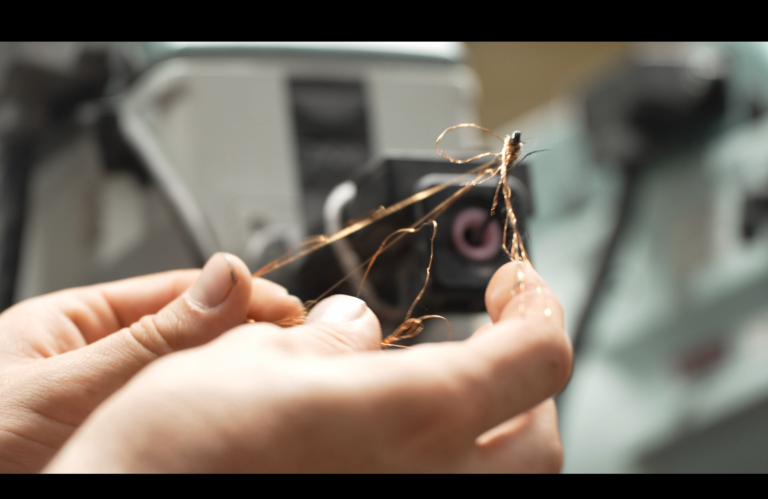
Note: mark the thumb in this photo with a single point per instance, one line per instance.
(337, 325)
(215, 303)
(342, 324)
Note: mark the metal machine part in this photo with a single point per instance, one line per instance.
(467, 243)
(234, 143)
(468, 249)
(332, 137)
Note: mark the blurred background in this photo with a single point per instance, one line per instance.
(646, 214)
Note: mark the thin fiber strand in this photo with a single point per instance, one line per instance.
(500, 165)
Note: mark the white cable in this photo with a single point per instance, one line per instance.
(333, 221)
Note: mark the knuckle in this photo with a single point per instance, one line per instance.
(333, 335)
(472, 395)
(459, 398)
(148, 334)
(452, 402)
(429, 436)
(430, 420)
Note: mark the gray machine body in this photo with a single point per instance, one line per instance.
(214, 125)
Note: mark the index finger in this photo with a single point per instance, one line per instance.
(102, 309)
(527, 343)
(517, 289)
(132, 299)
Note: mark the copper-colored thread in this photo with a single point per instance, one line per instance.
(500, 165)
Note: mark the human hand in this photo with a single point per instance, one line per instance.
(322, 397)
(63, 353)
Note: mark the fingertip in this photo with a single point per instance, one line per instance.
(239, 272)
(345, 321)
(240, 276)
(216, 302)
(516, 289)
(271, 302)
(504, 283)
(221, 277)
(240, 279)
(337, 308)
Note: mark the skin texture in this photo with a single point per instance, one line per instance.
(63, 354)
(323, 397)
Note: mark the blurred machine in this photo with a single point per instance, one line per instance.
(467, 240)
(652, 226)
(650, 222)
(152, 156)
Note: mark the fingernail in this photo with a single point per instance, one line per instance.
(337, 308)
(215, 282)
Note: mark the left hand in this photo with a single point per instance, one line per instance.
(63, 353)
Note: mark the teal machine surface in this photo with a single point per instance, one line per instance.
(651, 211)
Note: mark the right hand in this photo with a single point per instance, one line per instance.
(323, 397)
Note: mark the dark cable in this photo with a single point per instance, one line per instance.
(630, 176)
(581, 332)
